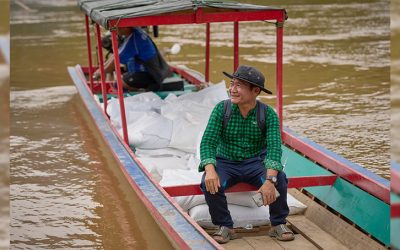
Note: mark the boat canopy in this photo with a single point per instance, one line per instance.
(104, 11)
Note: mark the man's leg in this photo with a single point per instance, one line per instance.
(279, 210)
(255, 174)
(217, 204)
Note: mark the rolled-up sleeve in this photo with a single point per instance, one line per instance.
(274, 141)
(211, 137)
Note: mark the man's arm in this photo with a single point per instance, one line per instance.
(273, 157)
(108, 67)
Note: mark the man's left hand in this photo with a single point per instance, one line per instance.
(267, 190)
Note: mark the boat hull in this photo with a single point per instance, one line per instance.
(183, 232)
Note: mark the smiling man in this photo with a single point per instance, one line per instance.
(242, 143)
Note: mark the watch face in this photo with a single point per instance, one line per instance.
(272, 178)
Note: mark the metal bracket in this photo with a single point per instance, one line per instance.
(115, 27)
(279, 24)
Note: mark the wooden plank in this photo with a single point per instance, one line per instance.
(238, 244)
(298, 243)
(314, 234)
(263, 242)
(335, 226)
(294, 182)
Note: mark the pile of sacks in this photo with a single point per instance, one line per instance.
(167, 135)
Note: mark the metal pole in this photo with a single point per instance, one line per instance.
(279, 67)
(89, 48)
(207, 71)
(235, 45)
(101, 65)
(120, 87)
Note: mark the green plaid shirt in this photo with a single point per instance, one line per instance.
(242, 138)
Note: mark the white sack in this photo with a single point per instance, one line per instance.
(157, 165)
(161, 152)
(148, 130)
(190, 114)
(209, 96)
(241, 216)
(144, 102)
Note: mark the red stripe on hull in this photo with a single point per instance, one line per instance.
(395, 210)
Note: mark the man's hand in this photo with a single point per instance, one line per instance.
(211, 179)
(267, 190)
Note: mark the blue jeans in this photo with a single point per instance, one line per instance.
(251, 171)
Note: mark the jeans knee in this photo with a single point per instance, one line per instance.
(282, 179)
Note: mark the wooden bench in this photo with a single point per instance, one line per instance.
(294, 182)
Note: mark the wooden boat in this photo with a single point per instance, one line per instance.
(395, 206)
(348, 206)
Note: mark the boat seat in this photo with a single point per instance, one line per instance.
(294, 182)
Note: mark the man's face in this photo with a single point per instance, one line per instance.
(241, 92)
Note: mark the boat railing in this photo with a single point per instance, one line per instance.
(198, 16)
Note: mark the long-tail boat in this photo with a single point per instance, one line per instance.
(347, 205)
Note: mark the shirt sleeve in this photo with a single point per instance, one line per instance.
(211, 137)
(274, 141)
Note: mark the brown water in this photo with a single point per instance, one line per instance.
(64, 190)
(395, 79)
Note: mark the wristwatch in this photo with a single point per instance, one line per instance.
(272, 179)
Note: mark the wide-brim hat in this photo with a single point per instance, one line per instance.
(251, 75)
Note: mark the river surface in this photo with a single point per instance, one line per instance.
(64, 192)
(395, 78)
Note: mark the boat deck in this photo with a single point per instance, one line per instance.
(317, 228)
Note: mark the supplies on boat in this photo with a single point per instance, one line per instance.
(175, 121)
(167, 134)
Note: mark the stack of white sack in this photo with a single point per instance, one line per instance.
(175, 122)
(147, 128)
(243, 210)
(156, 161)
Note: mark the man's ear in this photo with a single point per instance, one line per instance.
(257, 90)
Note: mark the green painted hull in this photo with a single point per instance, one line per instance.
(366, 211)
(395, 224)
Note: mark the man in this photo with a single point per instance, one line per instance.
(146, 68)
(240, 152)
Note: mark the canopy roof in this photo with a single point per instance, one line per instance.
(103, 11)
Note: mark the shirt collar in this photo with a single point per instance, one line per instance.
(235, 108)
